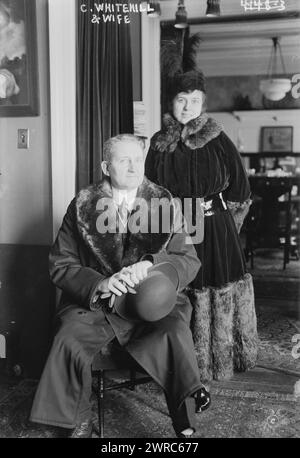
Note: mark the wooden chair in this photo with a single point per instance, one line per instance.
(114, 358)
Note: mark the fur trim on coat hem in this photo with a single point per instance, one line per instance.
(224, 329)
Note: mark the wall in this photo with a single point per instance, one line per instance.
(25, 216)
(244, 129)
(230, 93)
(26, 225)
(247, 124)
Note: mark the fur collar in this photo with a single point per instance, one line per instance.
(116, 249)
(195, 134)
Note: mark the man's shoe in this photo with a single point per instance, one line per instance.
(83, 430)
(185, 434)
(203, 400)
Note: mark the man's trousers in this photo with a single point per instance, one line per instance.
(63, 395)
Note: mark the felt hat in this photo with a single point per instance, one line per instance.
(154, 297)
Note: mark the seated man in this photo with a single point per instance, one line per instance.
(99, 256)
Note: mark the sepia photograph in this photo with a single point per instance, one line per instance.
(149, 222)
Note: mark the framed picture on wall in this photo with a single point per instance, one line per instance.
(277, 139)
(18, 59)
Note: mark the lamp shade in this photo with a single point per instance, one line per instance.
(154, 7)
(181, 16)
(275, 88)
(213, 8)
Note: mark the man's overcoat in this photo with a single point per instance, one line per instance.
(83, 255)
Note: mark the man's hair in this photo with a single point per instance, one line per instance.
(113, 141)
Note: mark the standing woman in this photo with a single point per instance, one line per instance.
(193, 157)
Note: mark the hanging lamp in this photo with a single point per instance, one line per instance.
(275, 88)
(181, 16)
(213, 8)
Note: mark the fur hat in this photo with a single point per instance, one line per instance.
(180, 66)
(186, 82)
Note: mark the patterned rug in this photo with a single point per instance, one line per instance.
(277, 348)
(143, 412)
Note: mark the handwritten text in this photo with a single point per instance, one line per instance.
(260, 5)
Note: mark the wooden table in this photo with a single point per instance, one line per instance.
(264, 223)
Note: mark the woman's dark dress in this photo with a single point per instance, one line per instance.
(199, 160)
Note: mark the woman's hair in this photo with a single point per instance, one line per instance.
(186, 82)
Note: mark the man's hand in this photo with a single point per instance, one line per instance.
(117, 283)
(127, 277)
(123, 281)
(139, 271)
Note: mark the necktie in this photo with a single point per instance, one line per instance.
(123, 212)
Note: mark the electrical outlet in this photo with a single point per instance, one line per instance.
(23, 138)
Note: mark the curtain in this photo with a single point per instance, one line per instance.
(104, 88)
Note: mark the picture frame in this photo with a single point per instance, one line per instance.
(277, 139)
(19, 89)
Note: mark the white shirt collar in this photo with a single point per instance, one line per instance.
(120, 194)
